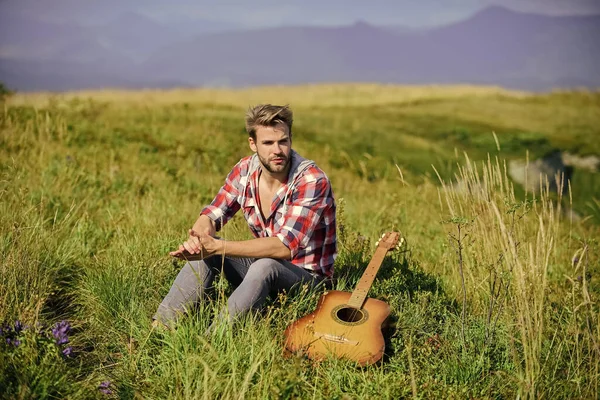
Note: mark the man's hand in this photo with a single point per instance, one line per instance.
(198, 246)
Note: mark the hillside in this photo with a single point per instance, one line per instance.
(493, 294)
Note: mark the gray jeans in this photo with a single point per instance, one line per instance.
(253, 279)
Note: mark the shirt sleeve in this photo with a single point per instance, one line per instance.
(225, 204)
(311, 197)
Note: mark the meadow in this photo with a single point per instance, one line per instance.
(494, 295)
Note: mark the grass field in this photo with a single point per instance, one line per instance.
(494, 296)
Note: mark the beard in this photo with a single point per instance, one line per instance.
(275, 168)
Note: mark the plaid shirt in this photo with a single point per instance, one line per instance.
(302, 213)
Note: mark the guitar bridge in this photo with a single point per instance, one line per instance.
(336, 338)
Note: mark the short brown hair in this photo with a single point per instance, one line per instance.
(268, 115)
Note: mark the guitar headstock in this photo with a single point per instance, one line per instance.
(390, 240)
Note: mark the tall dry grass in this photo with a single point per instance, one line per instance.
(507, 247)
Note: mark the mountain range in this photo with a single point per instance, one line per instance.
(495, 46)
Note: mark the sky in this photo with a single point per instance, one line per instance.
(268, 13)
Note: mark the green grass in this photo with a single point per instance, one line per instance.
(95, 191)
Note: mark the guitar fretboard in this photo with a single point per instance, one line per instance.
(359, 294)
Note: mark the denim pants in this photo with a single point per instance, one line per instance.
(253, 279)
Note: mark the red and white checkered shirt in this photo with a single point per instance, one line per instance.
(302, 213)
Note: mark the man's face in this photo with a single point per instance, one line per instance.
(273, 146)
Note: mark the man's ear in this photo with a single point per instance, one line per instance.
(252, 144)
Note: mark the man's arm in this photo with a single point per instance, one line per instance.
(203, 225)
(269, 247)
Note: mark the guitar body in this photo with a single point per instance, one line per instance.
(337, 329)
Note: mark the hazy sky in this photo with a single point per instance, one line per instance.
(263, 13)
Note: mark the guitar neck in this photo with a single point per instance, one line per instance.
(359, 294)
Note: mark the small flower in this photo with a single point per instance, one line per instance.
(67, 351)
(61, 328)
(6, 330)
(104, 387)
(60, 332)
(575, 260)
(16, 342)
(18, 326)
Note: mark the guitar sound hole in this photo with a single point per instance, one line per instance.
(350, 314)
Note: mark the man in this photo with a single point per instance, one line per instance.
(289, 207)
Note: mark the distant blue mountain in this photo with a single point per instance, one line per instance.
(496, 46)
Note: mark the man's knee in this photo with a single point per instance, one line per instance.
(195, 271)
(263, 269)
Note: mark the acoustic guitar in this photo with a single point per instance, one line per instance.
(345, 325)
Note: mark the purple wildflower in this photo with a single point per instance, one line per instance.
(16, 342)
(104, 387)
(8, 341)
(575, 260)
(61, 331)
(18, 326)
(67, 351)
